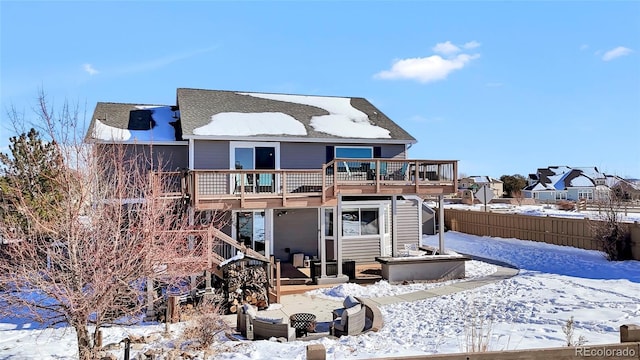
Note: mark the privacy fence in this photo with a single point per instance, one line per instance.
(553, 230)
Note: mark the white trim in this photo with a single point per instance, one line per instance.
(146, 142)
(192, 150)
(268, 232)
(328, 140)
(252, 144)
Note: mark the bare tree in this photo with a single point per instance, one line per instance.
(518, 196)
(610, 230)
(84, 257)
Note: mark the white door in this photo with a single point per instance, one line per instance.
(385, 230)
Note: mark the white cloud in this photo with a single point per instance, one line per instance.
(426, 69)
(616, 53)
(584, 47)
(89, 69)
(446, 48)
(471, 45)
(434, 67)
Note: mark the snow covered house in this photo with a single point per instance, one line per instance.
(294, 175)
(557, 183)
(474, 183)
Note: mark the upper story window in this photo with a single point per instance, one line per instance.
(586, 194)
(355, 152)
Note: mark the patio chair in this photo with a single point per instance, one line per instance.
(400, 174)
(349, 320)
(251, 326)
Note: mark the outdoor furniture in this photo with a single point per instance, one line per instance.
(349, 320)
(251, 326)
(303, 323)
(268, 328)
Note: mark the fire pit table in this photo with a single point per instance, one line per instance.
(303, 323)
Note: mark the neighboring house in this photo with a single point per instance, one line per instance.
(557, 183)
(327, 177)
(474, 183)
(626, 189)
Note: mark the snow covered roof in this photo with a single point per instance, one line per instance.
(227, 115)
(484, 179)
(220, 114)
(563, 177)
(132, 123)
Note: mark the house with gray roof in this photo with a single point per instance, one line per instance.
(295, 176)
(556, 183)
(476, 182)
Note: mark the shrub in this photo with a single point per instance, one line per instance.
(566, 205)
(206, 324)
(611, 232)
(568, 330)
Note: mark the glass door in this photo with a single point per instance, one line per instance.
(250, 231)
(255, 156)
(265, 159)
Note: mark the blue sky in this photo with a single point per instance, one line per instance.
(504, 87)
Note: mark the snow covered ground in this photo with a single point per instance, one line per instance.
(541, 210)
(526, 311)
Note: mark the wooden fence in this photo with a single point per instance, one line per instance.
(553, 230)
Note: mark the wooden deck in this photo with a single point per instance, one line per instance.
(365, 274)
(254, 189)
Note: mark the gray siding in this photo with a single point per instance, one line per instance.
(296, 155)
(408, 228)
(296, 230)
(210, 155)
(361, 249)
(428, 220)
(302, 155)
(167, 157)
(393, 152)
(293, 155)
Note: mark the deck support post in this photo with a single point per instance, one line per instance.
(441, 224)
(338, 234)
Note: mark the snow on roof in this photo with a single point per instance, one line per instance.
(161, 131)
(541, 186)
(591, 172)
(343, 120)
(247, 124)
(484, 179)
(558, 170)
(581, 181)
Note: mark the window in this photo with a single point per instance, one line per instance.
(353, 152)
(360, 221)
(586, 194)
(328, 222)
(561, 195)
(357, 152)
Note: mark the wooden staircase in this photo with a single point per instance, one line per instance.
(213, 247)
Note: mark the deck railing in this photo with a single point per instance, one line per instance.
(211, 247)
(376, 175)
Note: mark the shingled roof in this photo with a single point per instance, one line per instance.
(197, 107)
(112, 119)
(206, 114)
